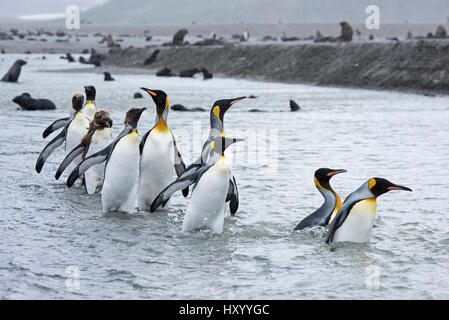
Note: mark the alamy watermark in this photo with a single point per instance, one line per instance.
(372, 22)
(73, 278)
(72, 20)
(372, 280)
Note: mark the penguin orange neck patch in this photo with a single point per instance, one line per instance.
(161, 125)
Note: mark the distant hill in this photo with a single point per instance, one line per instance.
(181, 12)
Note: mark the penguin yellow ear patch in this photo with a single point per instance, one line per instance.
(371, 183)
(216, 111)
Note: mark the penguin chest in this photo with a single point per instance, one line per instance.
(76, 131)
(94, 176)
(89, 110)
(206, 207)
(358, 225)
(156, 164)
(122, 167)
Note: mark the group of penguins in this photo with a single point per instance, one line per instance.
(127, 171)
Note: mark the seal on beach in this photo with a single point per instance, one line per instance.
(355, 218)
(332, 202)
(107, 76)
(160, 158)
(26, 102)
(14, 72)
(178, 37)
(121, 170)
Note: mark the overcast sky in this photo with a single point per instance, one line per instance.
(14, 8)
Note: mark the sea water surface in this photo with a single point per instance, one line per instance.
(50, 235)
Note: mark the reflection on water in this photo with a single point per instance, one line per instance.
(46, 227)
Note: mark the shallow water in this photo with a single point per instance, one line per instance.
(46, 227)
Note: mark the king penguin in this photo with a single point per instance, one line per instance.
(159, 155)
(217, 113)
(207, 205)
(73, 131)
(89, 108)
(332, 202)
(354, 221)
(121, 169)
(98, 138)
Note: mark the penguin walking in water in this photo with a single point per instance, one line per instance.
(98, 138)
(332, 202)
(207, 205)
(354, 221)
(73, 131)
(121, 169)
(89, 108)
(217, 113)
(88, 111)
(159, 156)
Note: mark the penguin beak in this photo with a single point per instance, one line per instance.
(109, 122)
(236, 100)
(396, 187)
(333, 173)
(149, 91)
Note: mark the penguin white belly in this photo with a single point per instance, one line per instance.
(207, 205)
(120, 180)
(89, 110)
(93, 177)
(156, 166)
(358, 226)
(75, 132)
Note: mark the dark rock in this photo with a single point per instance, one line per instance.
(409, 35)
(43, 40)
(85, 51)
(5, 36)
(151, 58)
(255, 110)
(209, 42)
(107, 76)
(178, 38)
(165, 72)
(44, 57)
(252, 96)
(371, 37)
(3, 51)
(285, 38)
(180, 107)
(14, 72)
(269, 38)
(83, 60)
(138, 95)
(393, 39)
(96, 58)
(31, 39)
(27, 52)
(26, 102)
(148, 38)
(294, 106)
(110, 42)
(206, 73)
(60, 33)
(189, 73)
(441, 32)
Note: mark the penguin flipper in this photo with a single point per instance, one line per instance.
(87, 163)
(55, 126)
(69, 158)
(339, 219)
(233, 196)
(179, 184)
(180, 167)
(142, 141)
(49, 148)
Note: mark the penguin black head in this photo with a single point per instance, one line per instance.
(102, 119)
(324, 175)
(220, 107)
(77, 101)
(379, 186)
(90, 92)
(133, 116)
(220, 143)
(160, 99)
